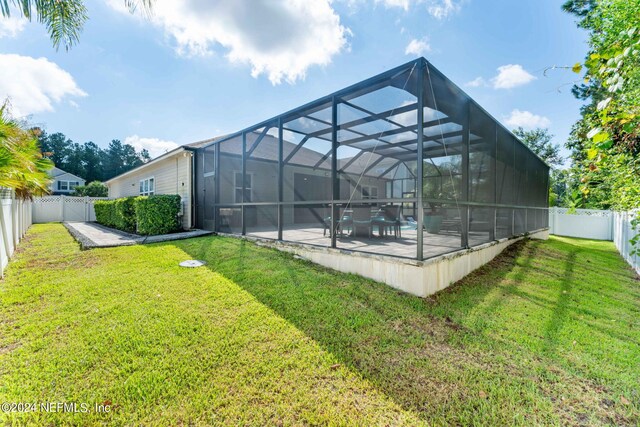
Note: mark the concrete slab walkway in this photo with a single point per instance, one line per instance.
(92, 235)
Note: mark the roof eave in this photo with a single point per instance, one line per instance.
(153, 161)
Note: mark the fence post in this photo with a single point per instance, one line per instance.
(14, 224)
(610, 216)
(20, 218)
(3, 235)
(62, 208)
(87, 216)
(5, 240)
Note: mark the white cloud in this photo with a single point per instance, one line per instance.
(34, 85)
(510, 76)
(156, 147)
(527, 120)
(418, 47)
(11, 27)
(403, 4)
(477, 82)
(439, 9)
(442, 9)
(279, 39)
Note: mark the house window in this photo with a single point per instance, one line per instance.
(238, 188)
(369, 192)
(67, 185)
(147, 187)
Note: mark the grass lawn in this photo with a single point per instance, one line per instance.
(548, 333)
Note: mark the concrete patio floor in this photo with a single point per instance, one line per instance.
(405, 246)
(92, 235)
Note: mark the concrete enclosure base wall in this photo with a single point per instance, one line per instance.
(420, 278)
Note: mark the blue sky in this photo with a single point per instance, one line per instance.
(197, 69)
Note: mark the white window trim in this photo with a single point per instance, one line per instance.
(67, 184)
(368, 189)
(236, 187)
(141, 187)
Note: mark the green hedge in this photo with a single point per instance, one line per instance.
(146, 215)
(105, 212)
(157, 214)
(125, 214)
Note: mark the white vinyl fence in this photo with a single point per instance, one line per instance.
(15, 219)
(64, 208)
(597, 225)
(586, 223)
(622, 233)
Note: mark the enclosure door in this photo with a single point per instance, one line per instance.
(209, 222)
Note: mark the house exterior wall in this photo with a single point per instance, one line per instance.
(171, 176)
(53, 187)
(265, 185)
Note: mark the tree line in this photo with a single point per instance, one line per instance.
(88, 160)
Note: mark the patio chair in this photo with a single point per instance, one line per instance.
(344, 224)
(361, 220)
(326, 222)
(388, 218)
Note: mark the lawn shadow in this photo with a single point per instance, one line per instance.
(562, 304)
(518, 256)
(394, 340)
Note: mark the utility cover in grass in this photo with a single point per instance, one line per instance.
(191, 263)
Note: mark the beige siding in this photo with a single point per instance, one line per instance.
(171, 175)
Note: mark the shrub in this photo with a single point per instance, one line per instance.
(125, 214)
(93, 189)
(157, 214)
(105, 212)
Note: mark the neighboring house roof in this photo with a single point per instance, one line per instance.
(55, 173)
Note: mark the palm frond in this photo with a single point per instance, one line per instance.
(22, 167)
(64, 19)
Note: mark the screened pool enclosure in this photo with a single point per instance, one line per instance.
(403, 164)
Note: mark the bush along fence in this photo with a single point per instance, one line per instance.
(146, 215)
